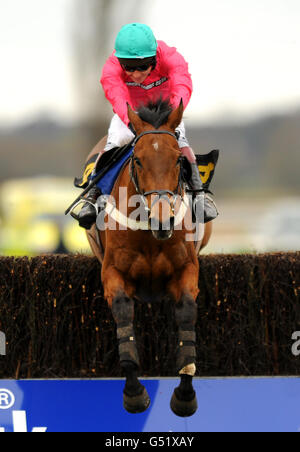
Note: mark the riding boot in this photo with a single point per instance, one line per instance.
(208, 204)
(88, 214)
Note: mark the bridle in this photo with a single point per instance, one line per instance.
(161, 194)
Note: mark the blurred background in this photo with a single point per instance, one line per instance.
(244, 59)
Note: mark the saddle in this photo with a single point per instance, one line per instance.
(112, 160)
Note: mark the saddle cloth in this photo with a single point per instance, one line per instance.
(108, 180)
(207, 164)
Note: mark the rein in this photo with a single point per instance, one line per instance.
(162, 194)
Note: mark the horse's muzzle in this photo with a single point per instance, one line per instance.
(162, 231)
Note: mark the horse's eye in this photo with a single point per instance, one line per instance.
(138, 162)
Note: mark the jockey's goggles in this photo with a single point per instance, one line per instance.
(132, 66)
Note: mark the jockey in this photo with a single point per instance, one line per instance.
(142, 69)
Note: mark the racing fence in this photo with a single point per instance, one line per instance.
(57, 324)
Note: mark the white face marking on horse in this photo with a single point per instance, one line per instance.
(155, 145)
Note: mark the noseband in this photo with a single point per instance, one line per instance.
(162, 194)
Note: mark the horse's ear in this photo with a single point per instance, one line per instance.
(135, 120)
(175, 117)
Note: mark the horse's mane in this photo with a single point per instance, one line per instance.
(156, 113)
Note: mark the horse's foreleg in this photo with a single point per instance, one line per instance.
(184, 401)
(136, 399)
(186, 315)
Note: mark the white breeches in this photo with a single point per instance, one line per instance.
(120, 135)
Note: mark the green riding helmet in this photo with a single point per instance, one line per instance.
(135, 41)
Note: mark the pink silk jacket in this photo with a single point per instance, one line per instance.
(170, 79)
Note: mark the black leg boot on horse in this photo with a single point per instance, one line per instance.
(135, 396)
(184, 400)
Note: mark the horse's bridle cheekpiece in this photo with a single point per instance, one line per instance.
(162, 194)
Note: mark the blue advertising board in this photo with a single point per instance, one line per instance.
(225, 405)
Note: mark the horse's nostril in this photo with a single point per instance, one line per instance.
(172, 222)
(167, 225)
(155, 224)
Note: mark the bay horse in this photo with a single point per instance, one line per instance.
(138, 264)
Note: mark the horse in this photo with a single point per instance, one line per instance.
(154, 261)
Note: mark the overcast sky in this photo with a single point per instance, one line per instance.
(243, 55)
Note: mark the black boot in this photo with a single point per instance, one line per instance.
(202, 199)
(88, 214)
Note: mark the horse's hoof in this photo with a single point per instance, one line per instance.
(183, 408)
(136, 404)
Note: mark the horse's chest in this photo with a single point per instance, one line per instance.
(137, 265)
